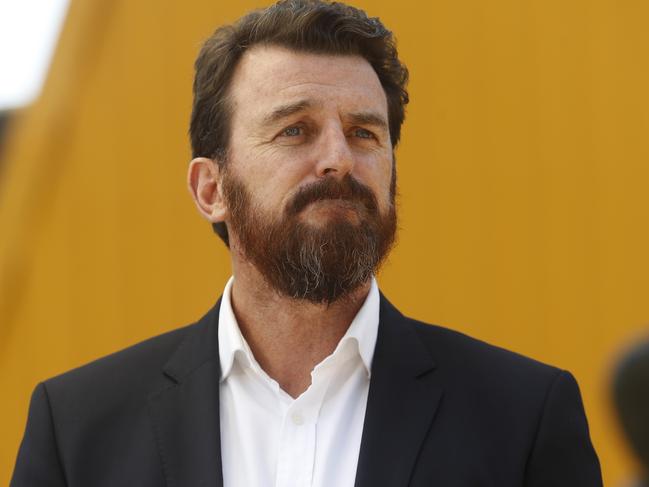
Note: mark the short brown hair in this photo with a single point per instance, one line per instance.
(313, 26)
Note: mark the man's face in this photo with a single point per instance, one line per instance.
(309, 169)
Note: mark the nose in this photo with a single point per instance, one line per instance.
(334, 157)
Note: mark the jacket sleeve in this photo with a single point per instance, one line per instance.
(563, 455)
(38, 463)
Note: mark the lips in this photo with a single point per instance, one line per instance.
(337, 202)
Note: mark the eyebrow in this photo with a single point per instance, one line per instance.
(368, 118)
(360, 118)
(287, 110)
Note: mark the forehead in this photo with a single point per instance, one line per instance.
(268, 76)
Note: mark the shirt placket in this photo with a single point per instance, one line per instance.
(298, 438)
(296, 449)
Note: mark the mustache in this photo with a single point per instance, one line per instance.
(348, 188)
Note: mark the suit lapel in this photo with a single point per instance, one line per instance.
(400, 409)
(185, 414)
(401, 404)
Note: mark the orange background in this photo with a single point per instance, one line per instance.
(523, 175)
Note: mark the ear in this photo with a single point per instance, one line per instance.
(204, 183)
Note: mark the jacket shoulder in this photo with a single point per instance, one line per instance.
(128, 374)
(457, 352)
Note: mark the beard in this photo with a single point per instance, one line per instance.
(322, 262)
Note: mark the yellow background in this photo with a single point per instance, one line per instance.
(523, 175)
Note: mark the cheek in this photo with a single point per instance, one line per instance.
(376, 173)
(267, 174)
(285, 174)
(274, 185)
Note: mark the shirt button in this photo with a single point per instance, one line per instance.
(297, 419)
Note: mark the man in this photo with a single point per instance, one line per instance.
(303, 374)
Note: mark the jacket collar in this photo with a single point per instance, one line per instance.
(185, 414)
(199, 346)
(401, 406)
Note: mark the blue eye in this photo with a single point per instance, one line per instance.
(363, 134)
(292, 131)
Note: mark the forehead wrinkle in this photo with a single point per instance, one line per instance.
(309, 82)
(368, 118)
(363, 115)
(287, 110)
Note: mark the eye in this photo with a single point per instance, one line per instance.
(293, 135)
(363, 133)
(292, 132)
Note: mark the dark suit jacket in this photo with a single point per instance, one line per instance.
(444, 410)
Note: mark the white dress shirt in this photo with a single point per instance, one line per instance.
(269, 439)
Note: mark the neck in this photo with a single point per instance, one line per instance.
(287, 336)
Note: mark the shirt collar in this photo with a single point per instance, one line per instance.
(231, 340)
(364, 327)
(363, 330)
